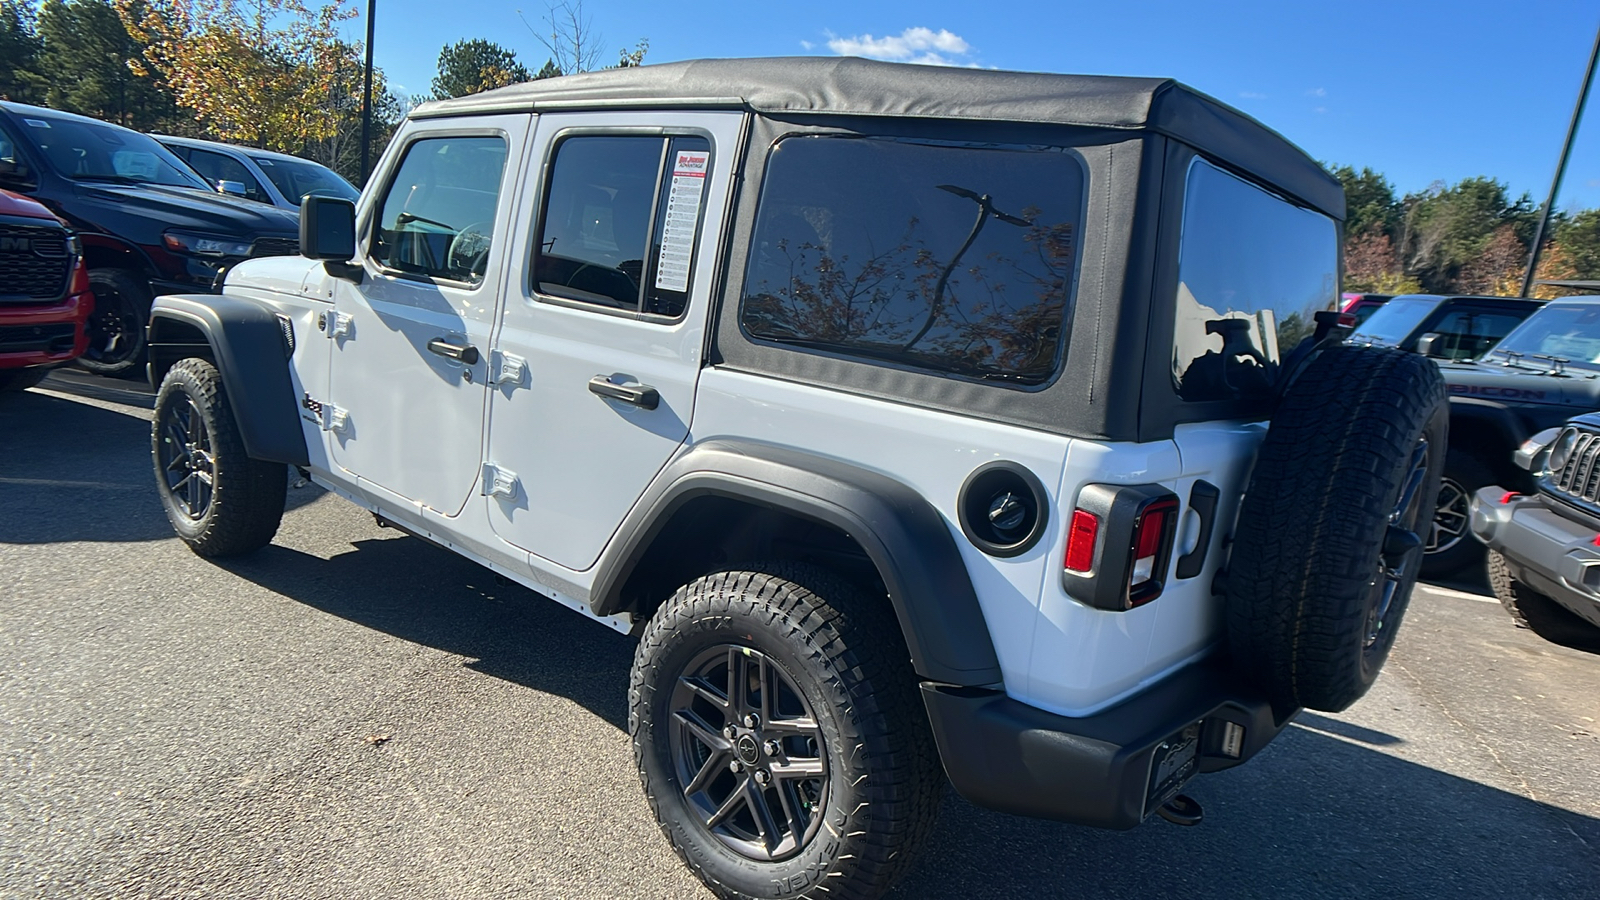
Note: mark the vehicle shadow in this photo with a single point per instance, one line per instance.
(72, 471)
(1320, 813)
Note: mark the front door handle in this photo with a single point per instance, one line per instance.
(639, 395)
(461, 353)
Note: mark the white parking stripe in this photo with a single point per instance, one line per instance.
(1458, 595)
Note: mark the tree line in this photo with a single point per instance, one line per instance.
(1471, 237)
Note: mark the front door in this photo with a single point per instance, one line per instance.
(411, 340)
(601, 340)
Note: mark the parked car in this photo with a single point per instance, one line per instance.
(1463, 327)
(1545, 370)
(260, 175)
(147, 222)
(1361, 306)
(814, 375)
(44, 292)
(1544, 546)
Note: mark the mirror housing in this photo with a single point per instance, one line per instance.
(327, 228)
(231, 188)
(1431, 345)
(16, 176)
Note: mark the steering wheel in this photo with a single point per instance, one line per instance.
(469, 249)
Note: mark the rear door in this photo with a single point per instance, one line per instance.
(601, 339)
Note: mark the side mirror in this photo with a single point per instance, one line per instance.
(1432, 345)
(231, 188)
(327, 228)
(15, 175)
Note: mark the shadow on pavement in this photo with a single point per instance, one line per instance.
(72, 471)
(1319, 814)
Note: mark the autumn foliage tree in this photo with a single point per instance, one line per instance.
(259, 74)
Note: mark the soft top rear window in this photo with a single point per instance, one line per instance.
(947, 257)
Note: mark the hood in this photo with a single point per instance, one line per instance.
(276, 274)
(1578, 389)
(24, 207)
(194, 209)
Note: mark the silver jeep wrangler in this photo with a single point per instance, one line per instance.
(922, 423)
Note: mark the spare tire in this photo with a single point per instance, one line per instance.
(1326, 551)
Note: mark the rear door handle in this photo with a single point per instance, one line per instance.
(461, 353)
(639, 395)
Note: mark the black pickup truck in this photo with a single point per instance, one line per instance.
(1542, 373)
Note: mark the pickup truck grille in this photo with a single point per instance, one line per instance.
(34, 264)
(1580, 476)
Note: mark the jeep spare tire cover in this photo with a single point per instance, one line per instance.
(1327, 548)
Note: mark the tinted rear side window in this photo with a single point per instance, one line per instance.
(952, 258)
(1253, 269)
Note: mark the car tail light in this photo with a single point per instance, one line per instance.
(1347, 320)
(1152, 544)
(1081, 536)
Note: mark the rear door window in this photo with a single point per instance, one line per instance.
(1253, 270)
(953, 258)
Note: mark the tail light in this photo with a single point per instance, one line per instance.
(1119, 545)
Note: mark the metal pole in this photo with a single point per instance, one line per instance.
(366, 102)
(1561, 167)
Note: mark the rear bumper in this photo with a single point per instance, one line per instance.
(1551, 553)
(1094, 770)
(44, 335)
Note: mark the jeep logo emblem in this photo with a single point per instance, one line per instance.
(16, 245)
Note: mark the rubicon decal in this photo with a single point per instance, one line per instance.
(1499, 393)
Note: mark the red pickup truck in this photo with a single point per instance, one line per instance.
(44, 293)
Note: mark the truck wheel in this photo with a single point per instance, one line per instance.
(1537, 612)
(780, 737)
(219, 500)
(1327, 547)
(1450, 548)
(116, 326)
(17, 380)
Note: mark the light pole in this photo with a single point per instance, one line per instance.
(366, 101)
(1561, 167)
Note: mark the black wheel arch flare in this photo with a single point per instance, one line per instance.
(245, 340)
(907, 540)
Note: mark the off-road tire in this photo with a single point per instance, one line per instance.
(1304, 580)
(121, 301)
(844, 650)
(247, 495)
(1469, 472)
(13, 381)
(1537, 612)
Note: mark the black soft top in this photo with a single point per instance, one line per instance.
(846, 86)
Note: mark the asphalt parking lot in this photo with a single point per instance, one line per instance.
(352, 713)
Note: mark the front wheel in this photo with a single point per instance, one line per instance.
(1537, 612)
(116, 326)
(219, 500)
(1450, 549)
(780, 737)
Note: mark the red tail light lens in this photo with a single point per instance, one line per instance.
(1081, 535)
(1152, 544)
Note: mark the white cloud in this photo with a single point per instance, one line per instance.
(807, 45)
(1252, 95)
(916, 45)
(1317, 92)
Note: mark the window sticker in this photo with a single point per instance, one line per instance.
(37, 123)
(683, 215)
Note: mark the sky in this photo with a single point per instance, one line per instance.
(1420, 90)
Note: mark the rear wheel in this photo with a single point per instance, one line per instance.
(780, 737)
(116, 327)
(219, 500)
(1537, 612)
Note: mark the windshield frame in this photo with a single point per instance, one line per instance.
(126, 137)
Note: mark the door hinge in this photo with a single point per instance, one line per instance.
(498, 482)
(335, 419)
(512, 370)
(334, 324)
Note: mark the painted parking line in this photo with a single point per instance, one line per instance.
(1455, 594)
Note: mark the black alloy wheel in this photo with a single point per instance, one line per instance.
(185, 457)
(116, 325)
(1450, 517)
(1401, 554)
(749, 752)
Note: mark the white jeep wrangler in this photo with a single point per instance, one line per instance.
(912, 418)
